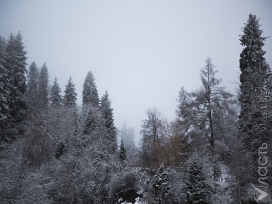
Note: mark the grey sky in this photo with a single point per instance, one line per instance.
(142, 52)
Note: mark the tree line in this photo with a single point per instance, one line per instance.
(54, 151)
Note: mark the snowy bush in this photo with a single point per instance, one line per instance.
(123, 185)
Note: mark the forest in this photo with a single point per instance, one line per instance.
(217, 150)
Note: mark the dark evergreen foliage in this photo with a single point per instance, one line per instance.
(4, 93)
(91, 120)
(61, 148)
(32, 87)
(70, 95)
(43, 87)
(254, 78)
(255, 102)
(122, 152)
(160, 185)
(55, 98)
(196, 188)
(107, 115)
(89, 93)
(15, 59)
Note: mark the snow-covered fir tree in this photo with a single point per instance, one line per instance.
(107, 115)
(89, 93)
(43, 91)
(160, 185)
(32, 86)
(91, 117)
(122, 152)
(255, 102)
(15, 59)
(70, 95)
(196, 188)
(4, 94)
(55, 98)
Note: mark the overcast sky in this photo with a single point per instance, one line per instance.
(142, 52)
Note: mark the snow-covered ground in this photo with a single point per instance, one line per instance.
(136, 202)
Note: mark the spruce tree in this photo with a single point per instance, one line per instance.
(90, 100)
(195, 186)
(32, 86)
(255, 102)
(160, 185)
(4, 94)
(91, 117)
(107, 115)
(89, 93)
(70, 95)
(43, 88)
(15, 59)
(55, 98)
(122, 152)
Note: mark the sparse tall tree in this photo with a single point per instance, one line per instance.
(70, 95)
(201, 111)
(152, 129)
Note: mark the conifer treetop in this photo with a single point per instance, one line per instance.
(89, 93)
(70, 96)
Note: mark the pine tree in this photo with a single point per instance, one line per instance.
(254, 99)
(92, 119)
(160, 185)
(15, 59)
(89, 93)
(43, 88)
(70, 96)
(4, 94)
(254, 73)
(122, 153)
(55, 98)
(196, 188)
(32, 86)
(90, 113)
(107, 115)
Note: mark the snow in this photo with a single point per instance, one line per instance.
(136, 202)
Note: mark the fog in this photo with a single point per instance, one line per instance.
(142, 52)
